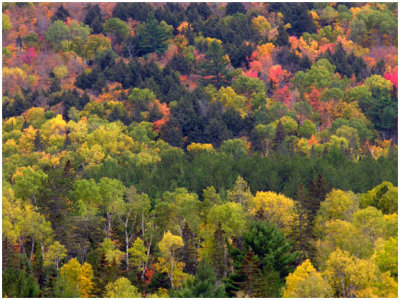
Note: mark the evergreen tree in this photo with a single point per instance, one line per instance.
(234, 8)
(189, 250)
(61, 14)
(215, 65)
(151, 37)
(94, 18)
(204, 285)
(318, 190)
(220, 252)
(254, 283)
(279, 135)
(302, 232)
(283, 37)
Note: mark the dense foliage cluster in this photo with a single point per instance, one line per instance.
(199, 150)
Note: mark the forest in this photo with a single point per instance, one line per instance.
(199, 150)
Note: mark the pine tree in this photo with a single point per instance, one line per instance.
(279, 135)
(220, 256)
(38, 142)
(317, 191)
(94, 18)
(61, 14)
(189, 250)
(254, 283)
(215, 65)
(283, 37)
(302, 231)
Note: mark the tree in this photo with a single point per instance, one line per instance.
(234, 7)
(152, 37)
(138, 255)
(353, 277)
(57, 32)
(317, 192)
(29, 183)
(307, 129)
(61, 14)
(167, 263)
(117, 28)
(189, 251)
(254, 282)
(94, 18)
(133, 214)
(75, 279)
(113, 255)
(275, 257)
(306, 282)
(386, 257)
(275, 208)
(19, 284)
(240, 193)
(6, 23)
(215, 65)
(302, 229)
(204, 285)
(94, 45)
(270, 246)
(383, 197)
(55, 254)
(337, 205)
(111, 191)
(121, 288)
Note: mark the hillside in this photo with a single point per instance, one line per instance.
(200, 149)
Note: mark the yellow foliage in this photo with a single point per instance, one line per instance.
(60, 71)
(276, 208)
(266, 49)
(93, 155)
(183, 27)
(167, 263)
(314, 15)
(194, 147)
(306, 282)
(27, 141)
(13, 73)
(77, 275)
(261, 24)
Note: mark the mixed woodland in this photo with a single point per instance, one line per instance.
(199, 150)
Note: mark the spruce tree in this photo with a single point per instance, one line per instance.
(317, 191)
(61, 14)
(189, 250)
(219, 257)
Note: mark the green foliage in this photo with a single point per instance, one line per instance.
(152, 36)
(118, 28)
(121, 288)
(383, 197)
(165, 161)
(307, 129)
(6, 23)
(19, 284)
(204, 285)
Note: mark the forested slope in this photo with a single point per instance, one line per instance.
(200, 149)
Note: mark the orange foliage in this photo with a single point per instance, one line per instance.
(313, 140)
(164, 110)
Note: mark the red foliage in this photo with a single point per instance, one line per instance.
(283, 95)
(148, 274)
(28, 55)
(392, 77)
(313, 98)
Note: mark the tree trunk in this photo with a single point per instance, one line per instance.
(126, 245)
(33, 247)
